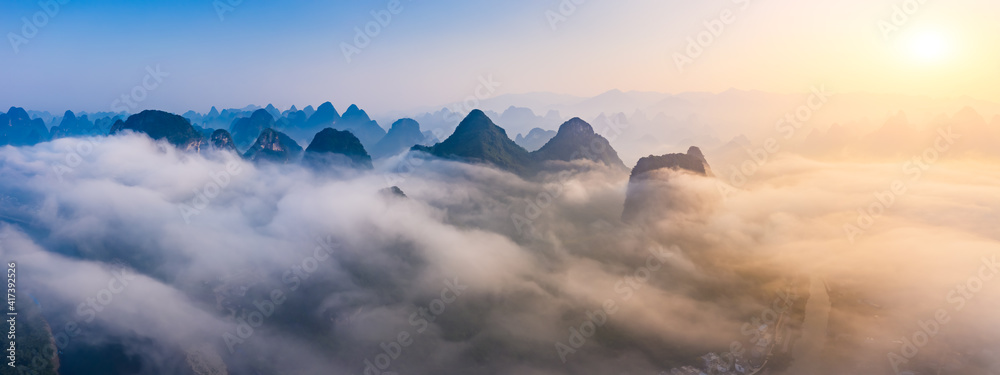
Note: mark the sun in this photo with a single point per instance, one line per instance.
(928, 47)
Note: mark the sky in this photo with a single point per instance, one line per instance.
(230, 53)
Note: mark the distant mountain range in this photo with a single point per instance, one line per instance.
(478, 139)
(680, 120)
(403, 134)
(655, 122)
(17, 129)
(358, 123)
(535, 139)
(23, 128)
(245, 130)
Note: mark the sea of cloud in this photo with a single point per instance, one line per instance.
(161, 261)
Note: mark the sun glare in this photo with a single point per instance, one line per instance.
(928, 46)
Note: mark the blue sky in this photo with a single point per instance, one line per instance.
(93, 51)
(433, 52)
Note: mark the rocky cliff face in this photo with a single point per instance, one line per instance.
(694, 162)
(275, 147)
(649, 184)
(222, 140)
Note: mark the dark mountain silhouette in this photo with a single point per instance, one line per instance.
(575, 140)
(430, 138)
(404, 134)
(393, 192)
(649, 187)
(5, 129)
(103, 125)
(324, 116)
(205, 132)
(158, 125)
(72, 126)
(119, 124)
(274, 112)
(694, 161)
(535, 139)
(293, 120)
(247, 129)
(290, 110)
(335, 147)
(221, 139)
(216, 120)
(294, 124)
(478, 139)
(309, 110)
(273, 146)
(18, 129)
(193, 116)
(358, 123)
